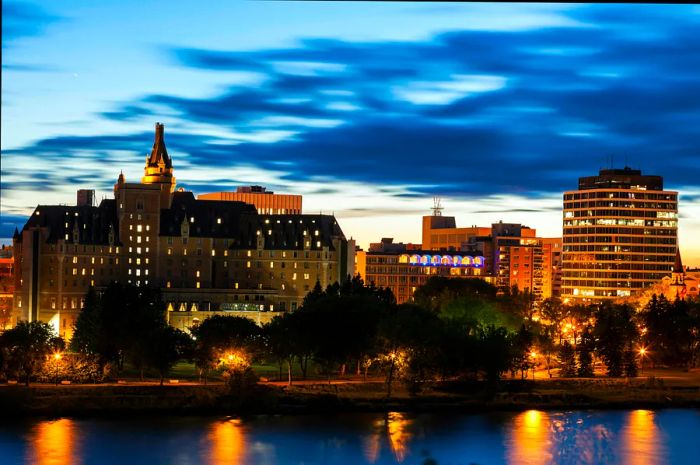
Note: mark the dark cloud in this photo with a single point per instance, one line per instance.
(20, 20)
(8, 223)
(464, 114)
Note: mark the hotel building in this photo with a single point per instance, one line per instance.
(620, 235)
(206, 256)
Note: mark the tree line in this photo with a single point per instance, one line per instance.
(454, 329)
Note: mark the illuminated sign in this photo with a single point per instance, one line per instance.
(442, 260)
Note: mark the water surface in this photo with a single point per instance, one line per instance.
(637, 437)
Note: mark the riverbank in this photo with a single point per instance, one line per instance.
(194, 399)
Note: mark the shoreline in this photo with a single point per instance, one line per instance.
(110, 401)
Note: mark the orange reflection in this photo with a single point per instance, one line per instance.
(54, 443)
(227, 443)
(530, 441)
(371, 445)
(399, 436)
(641, 442)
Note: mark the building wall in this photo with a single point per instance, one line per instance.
(551, 267)
(395, 270)
(617, 240)
(441, 233)
(265, 202)
(7, 289)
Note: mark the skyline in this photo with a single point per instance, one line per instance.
(332, 102)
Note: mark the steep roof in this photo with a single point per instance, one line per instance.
(286, 232)
(206, 218)
(92, 224)
(159, 154)
(678, 264)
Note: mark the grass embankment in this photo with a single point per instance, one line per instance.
(348, 397)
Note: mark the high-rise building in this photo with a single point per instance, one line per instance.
(620, 235)
(206, 256)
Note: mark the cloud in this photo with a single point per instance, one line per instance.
(465, 113)
(21, 20)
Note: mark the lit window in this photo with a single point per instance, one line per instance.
(248, 264)
(167, 284)
(139, 228)
(138, 239)
(197, 284)
(272, 264)
(198, 273)
(218, 221)
(306, 275)
(294, 276)
(138, 249)
(75, 259)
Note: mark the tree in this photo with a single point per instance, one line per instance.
(409, 336)
(219, 336)
(522, 348)
(567, 360)
(629, 362)
(167, 346)
(585, 354)
(615, 332)
(496, 354)
(119, 324)
(281, 341)
(27, 345)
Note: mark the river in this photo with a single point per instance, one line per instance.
(635, 437)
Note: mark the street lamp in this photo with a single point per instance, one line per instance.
(533, 356)
(642, 354)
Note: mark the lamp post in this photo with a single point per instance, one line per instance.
(642, 354)
(533, 356)
(57, 360)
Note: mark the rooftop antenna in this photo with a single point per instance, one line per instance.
(437, 207)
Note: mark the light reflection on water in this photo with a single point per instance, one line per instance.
(53, 442)
(639, 437)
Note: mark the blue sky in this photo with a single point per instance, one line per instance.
(369, 110)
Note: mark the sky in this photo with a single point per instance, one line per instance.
(367, 109)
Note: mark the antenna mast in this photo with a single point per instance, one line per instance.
(437, 207)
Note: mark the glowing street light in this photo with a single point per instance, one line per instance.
(57, 359)
(642, 354)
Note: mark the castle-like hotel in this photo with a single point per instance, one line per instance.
(205, 255)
